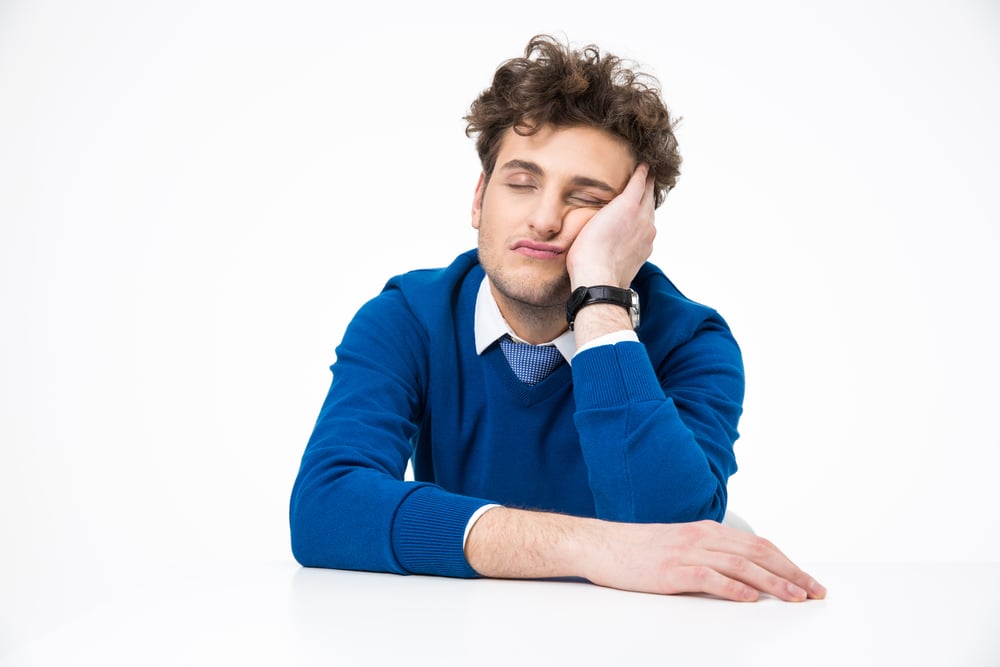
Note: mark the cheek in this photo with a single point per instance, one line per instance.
(501, 215)
(577, 219)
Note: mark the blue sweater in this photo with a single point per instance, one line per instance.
(635, 432)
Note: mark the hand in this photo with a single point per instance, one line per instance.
(700, 557)
(613, 245)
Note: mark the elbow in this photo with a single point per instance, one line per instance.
(310, 530)
(302, 543)
(713, 507)
(706, 504)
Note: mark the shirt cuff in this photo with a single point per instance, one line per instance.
(472, 521)
(623, 336)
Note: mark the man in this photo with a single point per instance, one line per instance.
(567, 410)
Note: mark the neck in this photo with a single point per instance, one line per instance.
(533, 324)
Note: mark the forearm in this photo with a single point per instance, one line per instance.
(646, 460)
(645, 463)
(348, 511)
(350, 506)
(702, 557)
(518, 544)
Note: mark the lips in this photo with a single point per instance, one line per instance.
(537, 250)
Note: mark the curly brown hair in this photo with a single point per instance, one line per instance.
(554, 84)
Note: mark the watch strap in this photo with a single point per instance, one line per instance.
(585, 296)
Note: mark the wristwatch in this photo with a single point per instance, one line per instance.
(584, 296)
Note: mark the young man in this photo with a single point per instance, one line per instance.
(567, 410)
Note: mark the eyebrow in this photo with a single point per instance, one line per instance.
(536, 169)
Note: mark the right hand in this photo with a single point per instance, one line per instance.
(700, 557)
(613, 245)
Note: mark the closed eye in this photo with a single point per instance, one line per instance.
(588, 201)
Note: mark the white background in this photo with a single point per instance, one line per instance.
(196, 196)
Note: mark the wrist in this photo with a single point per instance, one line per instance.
(586, 547)
(599, 320)
(582, 279)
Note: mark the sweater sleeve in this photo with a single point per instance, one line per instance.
(658, 441)
(350, 506)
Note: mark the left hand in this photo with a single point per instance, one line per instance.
(613, 245)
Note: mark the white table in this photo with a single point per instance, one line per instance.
(281, 614)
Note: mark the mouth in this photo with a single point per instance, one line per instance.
(537, 250)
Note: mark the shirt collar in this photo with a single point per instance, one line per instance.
(491, 326)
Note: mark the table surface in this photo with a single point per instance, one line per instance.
(277, 613)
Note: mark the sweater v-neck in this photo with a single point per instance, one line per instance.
(526, 394)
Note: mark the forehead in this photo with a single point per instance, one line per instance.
(570, 152)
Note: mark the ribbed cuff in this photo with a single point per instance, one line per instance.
(428, 529)
(614, 374)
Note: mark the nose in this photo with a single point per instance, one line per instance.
(546, 219)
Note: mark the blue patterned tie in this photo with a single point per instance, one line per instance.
(530, 363)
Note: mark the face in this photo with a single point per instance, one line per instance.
(544, 189)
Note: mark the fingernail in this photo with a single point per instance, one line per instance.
(817, 590)
(796, 592)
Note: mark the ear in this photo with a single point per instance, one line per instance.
(477, 201)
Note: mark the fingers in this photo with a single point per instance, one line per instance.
(764, 554)
(649, 193)
(731, 577)
(704, 579)
(639, 180)
(750, 574)
(750, 560)
(640, 187)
